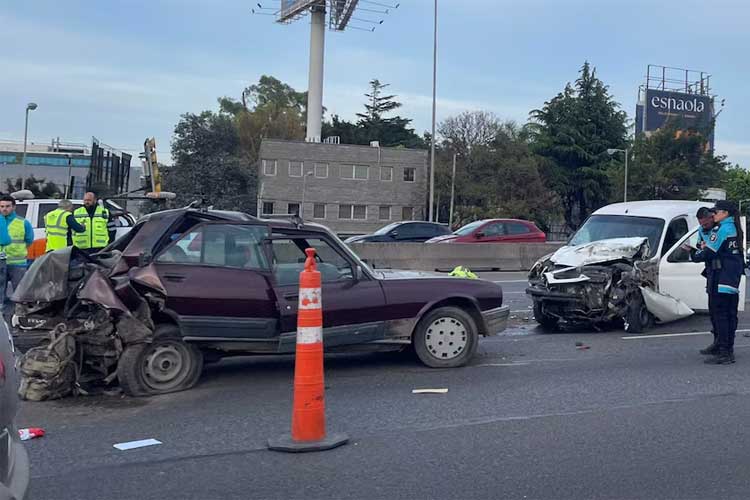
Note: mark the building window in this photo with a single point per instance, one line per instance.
(347, 171)
(269, 167)
(319, 211)
(409, 174)
(292, 209)
(267, 208)
(384, 213)
(361, 172)
(386, 173)
(353, 212)
(321, 170)
(407, 213)
(295, 169)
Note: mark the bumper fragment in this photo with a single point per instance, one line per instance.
(496, 320)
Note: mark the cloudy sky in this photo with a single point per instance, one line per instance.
(125, 70)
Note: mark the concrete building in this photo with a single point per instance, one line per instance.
(351, 189)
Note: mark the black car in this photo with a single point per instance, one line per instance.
(14, 462)
(405, 231)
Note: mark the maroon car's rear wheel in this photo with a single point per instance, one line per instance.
(168, 364)
(446, 337)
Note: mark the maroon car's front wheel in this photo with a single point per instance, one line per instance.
(446, 337)
(168, 364)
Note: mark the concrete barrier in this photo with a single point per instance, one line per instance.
(446, 256)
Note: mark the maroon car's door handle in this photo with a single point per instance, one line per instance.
(174, 277)
(291, 296)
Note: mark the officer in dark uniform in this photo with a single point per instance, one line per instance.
(705, 217)
(724, 257)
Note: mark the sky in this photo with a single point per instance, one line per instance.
(126, 70)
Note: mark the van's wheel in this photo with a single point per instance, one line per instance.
(168, 364)
(638, 319)
(546, 321)
(446, 337)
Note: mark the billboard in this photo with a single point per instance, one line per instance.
(292, 8)
(691, 111)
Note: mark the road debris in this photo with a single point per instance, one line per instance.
(30, 433)
(132, 445)
(429, 391)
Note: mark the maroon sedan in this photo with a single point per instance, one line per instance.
(230, 287)
(495, 231)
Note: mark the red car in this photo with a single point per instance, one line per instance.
(495, 231)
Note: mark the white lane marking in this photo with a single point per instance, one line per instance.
(131, 445)
(664, 335)
(512, 281)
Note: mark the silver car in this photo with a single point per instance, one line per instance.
(14, 462)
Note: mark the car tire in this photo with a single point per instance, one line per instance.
(167, 364)
(446, 337)
(638, 319)
(546, 321)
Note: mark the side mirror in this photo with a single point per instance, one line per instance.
(144, 259)
(393, 234)
(359, 274)
(478, 235)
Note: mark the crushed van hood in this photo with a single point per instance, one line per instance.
(602, 251)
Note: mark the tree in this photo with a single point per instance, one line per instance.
(671, 164)
(573, 131)
(40, 188)
(469, 130)
(373, 125)
(208, 163)
(737, 184)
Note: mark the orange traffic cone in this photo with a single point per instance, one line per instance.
(308, 411)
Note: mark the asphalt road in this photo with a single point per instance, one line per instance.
(532, 417)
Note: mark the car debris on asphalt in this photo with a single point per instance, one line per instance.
(132, 445)
(429, 391)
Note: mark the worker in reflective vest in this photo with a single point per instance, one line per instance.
(16, 235)
(58, 225)
(95, 220)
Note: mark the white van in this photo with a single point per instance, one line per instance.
(587, 280)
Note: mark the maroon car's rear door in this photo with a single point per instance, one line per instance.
(353, 303)
(217, 278)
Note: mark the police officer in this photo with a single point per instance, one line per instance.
(95, 220)
(723, 254)
(705, 217)
(58, 224)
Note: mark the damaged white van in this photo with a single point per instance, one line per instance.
(629, 263)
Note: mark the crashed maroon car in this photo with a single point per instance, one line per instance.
(190, 286)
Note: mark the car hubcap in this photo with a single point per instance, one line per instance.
(166, 365)
(446, 338)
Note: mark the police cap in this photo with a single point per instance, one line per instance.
(705, 212)
(726, 206)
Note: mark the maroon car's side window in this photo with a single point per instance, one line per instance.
(289, 257)
(229, 245)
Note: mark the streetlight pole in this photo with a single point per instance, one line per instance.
(453, 191)
(29, 107)
(612, 151)
(68, 187)
(434, 99)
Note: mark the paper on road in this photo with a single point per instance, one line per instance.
(429, 391)
(130, 445)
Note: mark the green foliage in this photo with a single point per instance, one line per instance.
(737, 184)
(39, 187)
(208, 164)
(573, 131)
(670, 165)
(373, 126)
(497, 174)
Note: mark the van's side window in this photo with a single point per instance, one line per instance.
(676, 230)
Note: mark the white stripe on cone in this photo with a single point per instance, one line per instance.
(309, 334)
(309, 298)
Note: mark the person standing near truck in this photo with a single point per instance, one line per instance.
(705, 217)
(725, 260)
(16, 235)
(95, 220)
(58, 225)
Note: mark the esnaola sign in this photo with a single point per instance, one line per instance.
(675, 104)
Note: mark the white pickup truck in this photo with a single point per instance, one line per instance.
(35, 210)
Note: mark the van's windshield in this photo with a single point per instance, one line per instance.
(605, 227)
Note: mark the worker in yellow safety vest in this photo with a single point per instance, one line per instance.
(95, 220)
(58, 225)
(16, 235)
